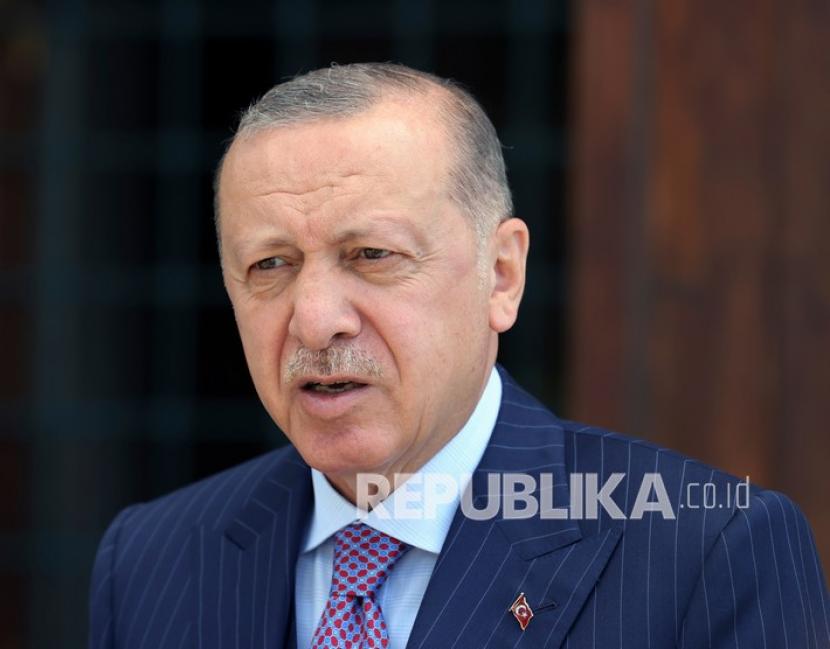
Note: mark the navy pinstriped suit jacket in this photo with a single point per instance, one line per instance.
(212, 565)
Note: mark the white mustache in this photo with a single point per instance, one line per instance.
(332, 360)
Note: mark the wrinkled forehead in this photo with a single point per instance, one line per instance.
(404, 139)
(306, 184)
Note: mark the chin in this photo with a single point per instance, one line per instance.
(349, 453)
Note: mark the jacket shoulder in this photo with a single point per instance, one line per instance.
(149, 540)
(592, 448)
(148, 528)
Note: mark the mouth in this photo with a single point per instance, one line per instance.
(331, 397)
(331, 387)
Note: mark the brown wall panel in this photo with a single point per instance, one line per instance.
(700, 234)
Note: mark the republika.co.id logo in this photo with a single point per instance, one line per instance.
(520, 495)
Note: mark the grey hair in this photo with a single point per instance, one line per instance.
(478, 179)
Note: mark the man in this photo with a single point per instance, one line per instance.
(369, 252)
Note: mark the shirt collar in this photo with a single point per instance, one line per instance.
(458, 459)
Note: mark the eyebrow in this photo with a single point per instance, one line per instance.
(361, 231)
(386, 223)
(250, 244)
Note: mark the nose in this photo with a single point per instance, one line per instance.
(322, 311)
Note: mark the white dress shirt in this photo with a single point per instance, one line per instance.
(401, 594)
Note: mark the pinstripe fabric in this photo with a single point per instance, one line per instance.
(213, 564)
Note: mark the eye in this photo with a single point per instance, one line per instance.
(373, 253)
(269, 263)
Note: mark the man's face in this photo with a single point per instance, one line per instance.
(340, 235)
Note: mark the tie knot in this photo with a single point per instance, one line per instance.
(363, 558)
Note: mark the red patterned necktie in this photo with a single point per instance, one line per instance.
(352, 619)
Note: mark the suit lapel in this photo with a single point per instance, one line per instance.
(245, 568)
(484, 565)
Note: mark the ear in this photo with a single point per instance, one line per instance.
(509, 245)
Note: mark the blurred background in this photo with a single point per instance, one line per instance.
(672, 160)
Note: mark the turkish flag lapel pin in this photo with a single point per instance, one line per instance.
(521, 611)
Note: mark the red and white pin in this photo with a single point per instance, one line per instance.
(521, 611)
